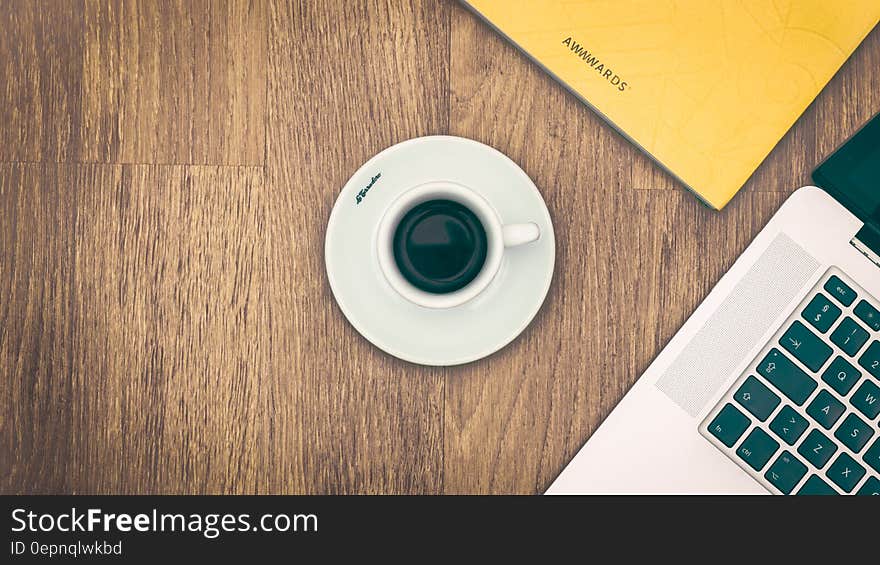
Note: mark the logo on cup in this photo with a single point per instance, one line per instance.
(362, 193)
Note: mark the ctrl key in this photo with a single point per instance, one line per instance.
(729, 425)
(757, 449)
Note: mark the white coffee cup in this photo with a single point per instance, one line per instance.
(498, 237)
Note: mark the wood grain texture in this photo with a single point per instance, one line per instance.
(376, 73)
(41, 48)
(174, 81)
(106, 394)
(166, 173)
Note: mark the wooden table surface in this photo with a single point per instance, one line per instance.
(166, 173)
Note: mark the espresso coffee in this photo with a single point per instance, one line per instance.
(440, 246)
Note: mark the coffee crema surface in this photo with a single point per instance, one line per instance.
(440, 246)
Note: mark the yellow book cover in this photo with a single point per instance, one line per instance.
(706, 87)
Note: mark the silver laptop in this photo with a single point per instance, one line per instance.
(773, 384)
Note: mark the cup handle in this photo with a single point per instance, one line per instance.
(518, 234)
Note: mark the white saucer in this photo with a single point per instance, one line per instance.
(421, 335)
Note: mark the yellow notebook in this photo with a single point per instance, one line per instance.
(706, 87)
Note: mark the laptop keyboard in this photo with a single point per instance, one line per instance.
(803, 419)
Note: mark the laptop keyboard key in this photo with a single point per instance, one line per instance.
(805, 346)
(786, 472)
(872, 456)
(868, 314)
(854, 433)
(870, 488)
(815, 485)
(845, 472)
(757, 449)
(790, 379)
(729, 425)
(817, 449)
(871, 360)
(755, 397)
(789, 425)
(826, 409)
(866, 399)
(823, 441)
(841, 376)
(821, 313)
(840, 291)
(849, 336)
